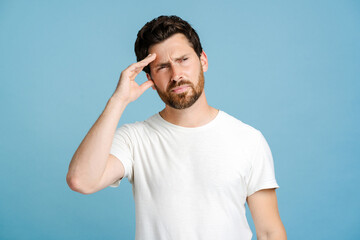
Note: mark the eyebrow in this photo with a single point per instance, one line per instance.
(164, 64)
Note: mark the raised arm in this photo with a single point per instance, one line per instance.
(92, 168)
(264, 211)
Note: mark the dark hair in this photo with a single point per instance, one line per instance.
(161, 28)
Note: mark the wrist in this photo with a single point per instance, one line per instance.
(117, 103)
(118, 100)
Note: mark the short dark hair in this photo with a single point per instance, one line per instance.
(161, 28)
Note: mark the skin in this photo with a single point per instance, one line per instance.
(177, 64)
(264, 211)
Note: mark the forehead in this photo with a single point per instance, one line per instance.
(176, 44)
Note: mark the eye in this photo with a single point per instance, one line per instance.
(161, 67)
(184, 59)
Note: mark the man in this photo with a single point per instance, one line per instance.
(192, 167)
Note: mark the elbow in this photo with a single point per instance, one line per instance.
(278, 234)
(75, 185)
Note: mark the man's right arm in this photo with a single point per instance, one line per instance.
(92, 168)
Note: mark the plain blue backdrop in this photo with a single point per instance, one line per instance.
(288, 68)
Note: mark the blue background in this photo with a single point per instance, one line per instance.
(288, 68)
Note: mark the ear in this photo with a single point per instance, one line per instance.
(150, 79)
(204, 61)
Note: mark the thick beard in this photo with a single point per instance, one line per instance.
(185, 99)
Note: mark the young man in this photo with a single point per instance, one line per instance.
(192, 167)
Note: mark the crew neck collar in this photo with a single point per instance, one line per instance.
(189, 129)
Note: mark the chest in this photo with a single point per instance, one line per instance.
(196, 164)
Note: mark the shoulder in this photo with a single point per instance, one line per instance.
(137, 127)
(239, 127)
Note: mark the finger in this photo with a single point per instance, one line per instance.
(146, 85)
(141, 64)
(149, 58)
(134, 69)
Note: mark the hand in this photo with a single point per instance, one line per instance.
(127, 89)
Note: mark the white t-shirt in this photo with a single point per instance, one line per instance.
(192, 183)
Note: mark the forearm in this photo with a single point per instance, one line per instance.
(89, 161)
(279, 234)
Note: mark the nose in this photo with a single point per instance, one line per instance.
(176, 73)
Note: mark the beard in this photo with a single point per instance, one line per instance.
(185, 99)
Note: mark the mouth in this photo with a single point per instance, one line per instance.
(180, 89)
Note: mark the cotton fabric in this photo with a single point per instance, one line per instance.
(192, 183)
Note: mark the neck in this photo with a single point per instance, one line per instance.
(200, 113)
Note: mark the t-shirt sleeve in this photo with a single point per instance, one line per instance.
(262, 173)
(122, 148)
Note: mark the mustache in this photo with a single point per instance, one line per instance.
(178, 84)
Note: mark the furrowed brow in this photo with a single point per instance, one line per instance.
(179, 58)
(164, 64)
(167, 63)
